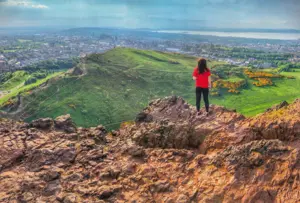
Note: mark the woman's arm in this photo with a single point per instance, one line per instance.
(194, 78)
(209, 82)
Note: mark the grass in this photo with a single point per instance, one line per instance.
(296, 74)
(234, 79)
(254, 100)
(16, 85)
(17, 78)
(121, 82)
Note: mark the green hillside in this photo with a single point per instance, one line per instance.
(12, 84)
(119, 83)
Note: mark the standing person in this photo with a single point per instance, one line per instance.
(201, 75)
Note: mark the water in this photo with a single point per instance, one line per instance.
(254, 35)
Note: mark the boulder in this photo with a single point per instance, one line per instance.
(42, 123)
(65, 123)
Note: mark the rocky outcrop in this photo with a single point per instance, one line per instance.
(172, 123)
(168, 155)
(64, 123)
(279, 106)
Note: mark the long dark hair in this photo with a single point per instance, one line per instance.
(202, 66)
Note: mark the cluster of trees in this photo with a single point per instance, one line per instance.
(36, 76)
(226, 71)
(5, 77)
(263, 82)
(245, 53)
(287, 67)
(52, 65)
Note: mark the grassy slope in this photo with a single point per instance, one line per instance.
(118, 84)
(17, 78)
(16, 84)
(121, 82)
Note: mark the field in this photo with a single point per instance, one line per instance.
(254, 100)
(120, 83)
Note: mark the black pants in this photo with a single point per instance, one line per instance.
(205, 92)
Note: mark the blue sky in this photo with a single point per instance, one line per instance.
(155, 14)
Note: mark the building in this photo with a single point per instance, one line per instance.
(3, 66)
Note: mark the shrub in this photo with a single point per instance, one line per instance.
(30, 81)
(263, 82)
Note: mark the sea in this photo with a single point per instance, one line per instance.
(253, 35)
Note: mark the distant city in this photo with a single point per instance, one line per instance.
(21, 50)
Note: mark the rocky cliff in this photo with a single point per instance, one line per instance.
(167, 155)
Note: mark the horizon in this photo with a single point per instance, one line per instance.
(227, 29)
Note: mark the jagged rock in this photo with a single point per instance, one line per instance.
(277, 107)
(107, 192)
(65, 123)
(167, 136)
(160, 186)
(143, 117)
(73, 177)
(250, 155)
(282, 124)
(11, 158)
(182, 199)
(99, 133)
(50, 175)
(174, 124)
(71, 198)
(52, 188)
(39, 158)
(136, 151)
(42, 123)
(27, 197)
(174, 157)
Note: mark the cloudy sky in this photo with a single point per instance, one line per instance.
(155, 14)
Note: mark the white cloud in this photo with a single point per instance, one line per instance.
(24, 3)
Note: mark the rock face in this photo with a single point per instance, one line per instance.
(168, 155)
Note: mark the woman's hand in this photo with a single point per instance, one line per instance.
(194, 78)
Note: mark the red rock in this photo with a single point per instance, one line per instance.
(173, 157)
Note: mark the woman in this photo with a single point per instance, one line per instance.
(201, 75)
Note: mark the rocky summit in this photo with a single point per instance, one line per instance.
(167, 155)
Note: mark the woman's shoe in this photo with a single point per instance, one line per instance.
(207, 113)
(199, 113)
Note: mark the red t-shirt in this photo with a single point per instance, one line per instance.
(202, 79)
